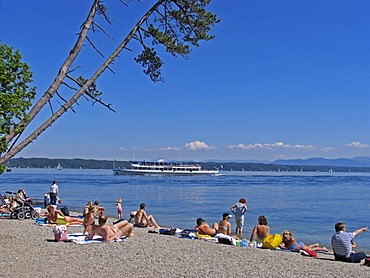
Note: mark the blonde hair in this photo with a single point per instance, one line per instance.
(287, 234)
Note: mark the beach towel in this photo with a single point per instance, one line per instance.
(79, 238)
(191, 234)
(43, 221)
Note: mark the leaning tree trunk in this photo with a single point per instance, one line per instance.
(61, 76)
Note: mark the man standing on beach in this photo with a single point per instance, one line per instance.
(342, 245)
(54, 192)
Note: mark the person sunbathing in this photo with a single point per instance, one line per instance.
(290, 243)
(118, 230)
(224, 227)
(57, 217)
(204, 229)
(142, 220)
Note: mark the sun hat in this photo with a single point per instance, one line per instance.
(119, 200)
(226, 214)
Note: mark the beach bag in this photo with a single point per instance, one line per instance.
(60, 233)
(65, 211)
(272, 241)
(225, 240)
(169, 232)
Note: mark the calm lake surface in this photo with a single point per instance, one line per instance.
(308, 204)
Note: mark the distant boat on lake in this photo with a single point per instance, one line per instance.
(59, 167)
(162, 168)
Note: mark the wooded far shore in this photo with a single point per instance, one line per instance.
(78, 163)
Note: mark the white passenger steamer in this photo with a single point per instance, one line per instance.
(163, 168)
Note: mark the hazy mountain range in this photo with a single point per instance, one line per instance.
(360, 161)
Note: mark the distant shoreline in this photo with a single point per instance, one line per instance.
(78, 163)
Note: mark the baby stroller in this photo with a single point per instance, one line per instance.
(24, 207)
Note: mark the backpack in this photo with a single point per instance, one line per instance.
(60, 233)
(65, 211)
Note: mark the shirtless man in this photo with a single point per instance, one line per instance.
(115, 232)
(142, 220)
(204, 229)
(261, 230)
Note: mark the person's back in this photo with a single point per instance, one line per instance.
(261, 230)
(239, 209)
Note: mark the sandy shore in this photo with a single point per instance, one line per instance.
(28, 251)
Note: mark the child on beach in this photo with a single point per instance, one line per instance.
(119, 208)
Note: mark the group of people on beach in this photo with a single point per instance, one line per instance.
(342, 241)
(92, 211)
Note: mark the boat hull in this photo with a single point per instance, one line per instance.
(162, 172)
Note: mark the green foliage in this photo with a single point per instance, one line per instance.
(176, 24)
(92, 91)
(151, 62)
(15, 93)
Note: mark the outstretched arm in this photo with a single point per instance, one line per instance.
(359, 231)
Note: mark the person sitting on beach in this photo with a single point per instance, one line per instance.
(290, 243)
(342, 243)
(204, 229)
(88, 222)
(121, 229)
(88, 208)
(224, 227)
(142, 220)
(57, 217)
(261, 230)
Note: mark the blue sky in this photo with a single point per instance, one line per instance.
(282, 79)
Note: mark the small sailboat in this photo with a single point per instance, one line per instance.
(59, 167)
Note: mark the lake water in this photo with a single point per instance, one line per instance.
(308, 204)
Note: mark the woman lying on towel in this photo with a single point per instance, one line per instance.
(290, 243)
(204, 229)
(57, 217)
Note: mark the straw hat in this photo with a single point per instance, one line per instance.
(119, 200)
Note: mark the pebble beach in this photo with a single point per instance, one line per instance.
(29, 250)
